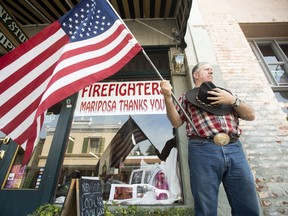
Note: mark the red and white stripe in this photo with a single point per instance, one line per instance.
(48, 68)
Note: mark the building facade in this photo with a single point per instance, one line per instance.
(247, 45)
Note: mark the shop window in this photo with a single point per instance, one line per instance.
(272, 55)
(119, 130)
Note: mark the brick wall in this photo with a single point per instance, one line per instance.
(265, 139)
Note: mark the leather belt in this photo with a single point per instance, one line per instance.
(220, 139)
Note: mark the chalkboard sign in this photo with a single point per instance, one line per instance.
(90, 197)
(84, 198)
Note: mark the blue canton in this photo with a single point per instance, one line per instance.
(88, 19)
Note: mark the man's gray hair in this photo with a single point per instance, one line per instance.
(196, 67)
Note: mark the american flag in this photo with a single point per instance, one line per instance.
(121, 145)
(86, 45)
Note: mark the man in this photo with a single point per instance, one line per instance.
(169, 145)
(215, 152)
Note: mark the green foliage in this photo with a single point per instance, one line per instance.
(52, 210)
(141, 210)
(150, 150)
(47, 210)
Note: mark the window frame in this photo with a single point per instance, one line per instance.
(274, 42)
(98, 150)
(279, 90)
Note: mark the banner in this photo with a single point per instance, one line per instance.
(121, 98)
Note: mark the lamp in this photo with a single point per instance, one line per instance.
(178, 61)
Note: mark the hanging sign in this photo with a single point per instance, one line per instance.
(11, 34)
(5, 43)
(121, 98)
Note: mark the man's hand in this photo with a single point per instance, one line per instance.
(172, 113)
(224, 97)
(166, 88)
(221, 97)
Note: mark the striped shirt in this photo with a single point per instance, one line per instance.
(207, 124)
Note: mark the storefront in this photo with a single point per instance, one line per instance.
(113, 130)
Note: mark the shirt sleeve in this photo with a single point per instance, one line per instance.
(183, 103)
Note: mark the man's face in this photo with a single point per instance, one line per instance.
(203, 74)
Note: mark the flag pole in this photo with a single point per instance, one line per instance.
(156, 70)
(172, 94)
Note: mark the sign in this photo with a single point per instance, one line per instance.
(10, 27)
(6, 44)
(84, 198)
(121, 98)
(90, 197)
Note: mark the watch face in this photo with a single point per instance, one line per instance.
(237, 103)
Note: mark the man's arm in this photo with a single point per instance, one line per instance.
(172, 113)
(245, 111)
(221, 96)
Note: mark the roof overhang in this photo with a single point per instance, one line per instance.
(32, 15)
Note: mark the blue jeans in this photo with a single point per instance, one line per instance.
(209, 166)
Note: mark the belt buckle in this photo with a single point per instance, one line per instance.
(221, 139)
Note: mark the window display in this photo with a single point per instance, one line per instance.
(118, 141)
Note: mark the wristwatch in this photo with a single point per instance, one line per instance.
(237, 102)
